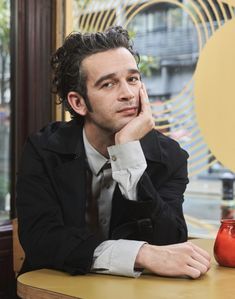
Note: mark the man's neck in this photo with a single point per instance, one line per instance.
(99, 139)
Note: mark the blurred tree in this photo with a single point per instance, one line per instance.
(3, 191)
(4, 48)
(147, 65)
(81, 3)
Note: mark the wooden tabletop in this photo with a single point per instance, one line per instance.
(218, 283)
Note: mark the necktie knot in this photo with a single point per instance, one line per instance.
(107, 165)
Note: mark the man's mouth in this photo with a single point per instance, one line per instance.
(128, 110)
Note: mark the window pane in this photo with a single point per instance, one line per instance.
(4, 108)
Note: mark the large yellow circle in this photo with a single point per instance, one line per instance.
(215, 94)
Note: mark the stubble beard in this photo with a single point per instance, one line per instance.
(105, 129)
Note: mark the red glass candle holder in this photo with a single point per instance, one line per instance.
(224, 247)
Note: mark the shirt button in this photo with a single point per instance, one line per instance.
(114, 158)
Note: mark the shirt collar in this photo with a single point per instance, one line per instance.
(95, 160)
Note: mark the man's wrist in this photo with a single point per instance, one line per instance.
(140, 258)
(120, 139)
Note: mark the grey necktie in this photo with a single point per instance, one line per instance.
(104, 202)
(97, 203)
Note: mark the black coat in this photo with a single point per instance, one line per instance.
(52, 191)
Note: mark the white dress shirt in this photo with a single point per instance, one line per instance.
(128, 163)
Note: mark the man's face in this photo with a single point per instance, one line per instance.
(113, 86)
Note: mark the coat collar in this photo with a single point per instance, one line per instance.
(66, 138)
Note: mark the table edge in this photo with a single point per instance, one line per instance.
(26, 291)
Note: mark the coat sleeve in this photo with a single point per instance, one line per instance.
(46, 239)
(157, 216)
(167, 222)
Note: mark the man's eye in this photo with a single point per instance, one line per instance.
(133, 79)
(108, 85)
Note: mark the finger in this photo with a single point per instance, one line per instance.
(145, 94)
(192, 272)
(201, 259)
(198, 266)
(144, 91)
(200, 251)
(143, 101)
(145, 105)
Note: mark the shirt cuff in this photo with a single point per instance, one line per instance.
(126, 155)
(117, 257)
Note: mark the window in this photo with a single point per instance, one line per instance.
(170, 39)
(4, 109)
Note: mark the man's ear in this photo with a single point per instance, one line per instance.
(77, 103)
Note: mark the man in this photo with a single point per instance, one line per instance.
(104, 192)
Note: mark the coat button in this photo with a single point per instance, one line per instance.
(114, 158)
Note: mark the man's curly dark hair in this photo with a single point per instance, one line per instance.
(66, 62)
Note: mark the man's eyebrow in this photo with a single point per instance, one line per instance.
(112, 75)
(105, 77)
(134, 71)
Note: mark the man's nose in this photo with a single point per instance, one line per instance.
(125, 93)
